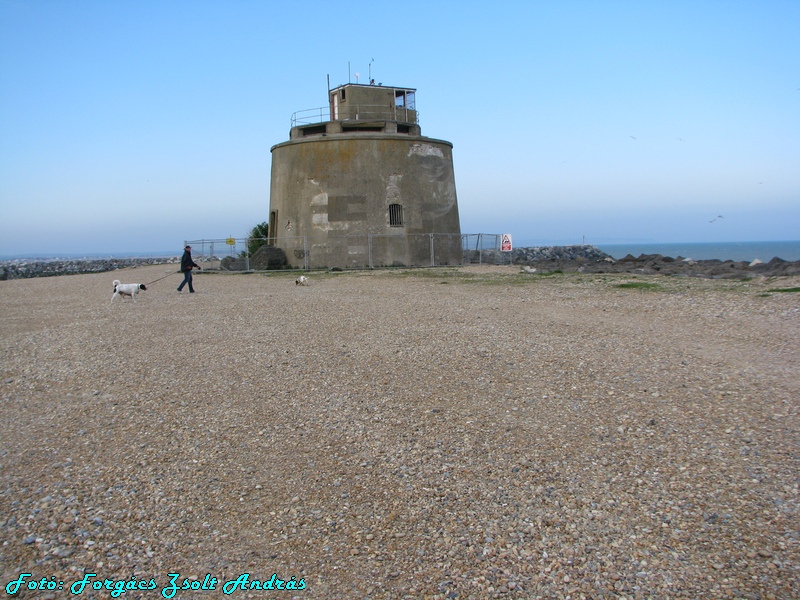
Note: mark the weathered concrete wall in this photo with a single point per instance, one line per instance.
(337, 189)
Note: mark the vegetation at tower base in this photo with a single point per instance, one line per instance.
(257, 238)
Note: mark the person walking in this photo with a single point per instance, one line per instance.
(187, 264)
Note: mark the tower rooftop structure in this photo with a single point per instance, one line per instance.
(354, 108)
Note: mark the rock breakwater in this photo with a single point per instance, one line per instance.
(529, 255)
(545, 253)
(544, 259)
(26, 269)
(656, 264)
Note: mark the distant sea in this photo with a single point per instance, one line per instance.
(92, 256)
(736, 251)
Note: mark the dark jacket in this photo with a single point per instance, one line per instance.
(186, 262)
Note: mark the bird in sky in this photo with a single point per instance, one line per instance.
(715, 218)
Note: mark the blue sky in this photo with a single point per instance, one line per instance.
(131, 126)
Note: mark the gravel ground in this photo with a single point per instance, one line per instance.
(454, 433)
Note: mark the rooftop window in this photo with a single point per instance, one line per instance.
(404, 99)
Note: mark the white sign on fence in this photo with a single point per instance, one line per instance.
(505, 242)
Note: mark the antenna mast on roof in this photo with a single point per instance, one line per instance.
(371, 80)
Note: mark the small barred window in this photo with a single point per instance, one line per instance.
(395, 215)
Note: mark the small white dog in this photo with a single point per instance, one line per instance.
(127, 289)
(302, 280)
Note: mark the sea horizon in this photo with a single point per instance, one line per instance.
(89, 255)
(749, 251)
(735, 251)
(788, 250)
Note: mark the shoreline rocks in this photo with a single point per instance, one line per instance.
(26, 269)
(540, 253)
(656, 264)
(582, 258)
(528, 255)
(590, 259)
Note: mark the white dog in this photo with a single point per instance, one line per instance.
(302, 280)
(127, 289)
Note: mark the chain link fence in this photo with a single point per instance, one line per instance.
(368, 251)
(484, 248)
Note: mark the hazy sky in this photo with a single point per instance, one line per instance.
(134, 125)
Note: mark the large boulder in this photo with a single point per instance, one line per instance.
(268, 257)
(263, 259)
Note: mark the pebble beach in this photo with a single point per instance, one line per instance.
(474, 432)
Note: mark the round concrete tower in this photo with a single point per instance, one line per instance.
(364, 188)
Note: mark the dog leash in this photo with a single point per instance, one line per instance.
(164, 277)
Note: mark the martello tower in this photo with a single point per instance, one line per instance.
(358, 185)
